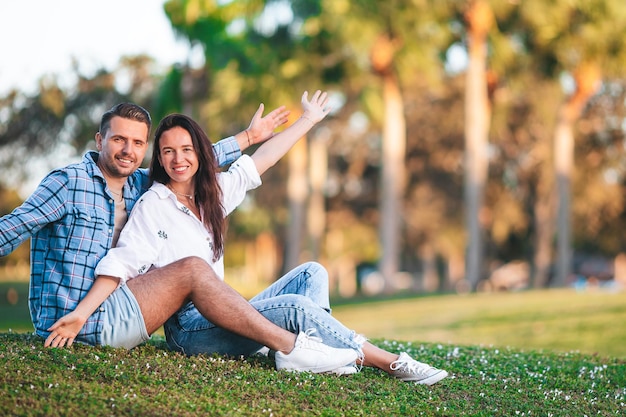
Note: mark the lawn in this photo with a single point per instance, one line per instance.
(152, 381)
(536, 353)
(562, 320)
(565, 320)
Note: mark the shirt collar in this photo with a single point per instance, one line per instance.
(162, 191)
(90, 159)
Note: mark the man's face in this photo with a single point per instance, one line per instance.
(122, 148)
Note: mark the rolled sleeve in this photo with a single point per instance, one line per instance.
(227, 150)
(237, 181)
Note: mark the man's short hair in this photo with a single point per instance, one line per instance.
(127, 111)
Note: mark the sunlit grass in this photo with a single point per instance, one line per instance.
(152, 381)
(565, 320)
(509, 354)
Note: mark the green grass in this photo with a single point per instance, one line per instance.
(563, 320)
(536, 353)
(151, 381)
(14, 307)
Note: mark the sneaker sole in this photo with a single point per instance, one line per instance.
(344, 370)
(322, 368)
(431, 380)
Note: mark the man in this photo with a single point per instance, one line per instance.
(74, 217)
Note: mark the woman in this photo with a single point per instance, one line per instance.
(183, 215)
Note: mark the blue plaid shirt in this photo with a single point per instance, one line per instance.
(70, 218)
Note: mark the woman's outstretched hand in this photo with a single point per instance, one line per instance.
(64, 330)
(317, 108)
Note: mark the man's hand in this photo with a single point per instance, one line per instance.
(262, 128)
(64, 330)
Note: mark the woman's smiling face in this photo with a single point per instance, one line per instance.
(178, 156)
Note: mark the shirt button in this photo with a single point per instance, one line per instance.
(110, 231)
(101, 309)
(110, 201)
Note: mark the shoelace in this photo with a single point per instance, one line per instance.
(309, 337)
(410, 365)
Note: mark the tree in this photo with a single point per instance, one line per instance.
(64, 121)
(580, 39)
(392, 181)
(401, 40)
(479, 19)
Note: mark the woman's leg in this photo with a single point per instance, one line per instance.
(309, 279)
(189, 332)
(297, 313)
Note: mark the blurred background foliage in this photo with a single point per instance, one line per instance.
(467, 138)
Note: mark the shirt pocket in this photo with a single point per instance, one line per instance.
(86, 232)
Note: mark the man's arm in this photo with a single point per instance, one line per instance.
(65, 329)
(46, 205)
(260, 129)
(135, 248)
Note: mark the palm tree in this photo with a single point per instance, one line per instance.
(581, 40)
(402, 40)
(479, 21)
(392, 181)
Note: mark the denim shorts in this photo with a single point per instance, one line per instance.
(122, 322)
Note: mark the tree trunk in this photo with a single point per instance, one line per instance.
(393, 181)
(318, 173)
(544, 227)
(392, 185)
(477, 115)
(587, 77)
(297, 190)
(430, 275)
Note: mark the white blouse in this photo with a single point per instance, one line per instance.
(160, 230)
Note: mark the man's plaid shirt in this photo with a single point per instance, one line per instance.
(70, 218)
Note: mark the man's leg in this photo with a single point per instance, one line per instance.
(190, 332)
(162, 291)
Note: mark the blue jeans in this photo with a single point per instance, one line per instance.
(296, 302)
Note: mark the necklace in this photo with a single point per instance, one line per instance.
(119, 195)
(189, 196)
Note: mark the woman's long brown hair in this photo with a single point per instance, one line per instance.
(208, 194)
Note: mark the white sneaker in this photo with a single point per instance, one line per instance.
(310, 354)
(345, 370)
(264, 351)
(410, 370)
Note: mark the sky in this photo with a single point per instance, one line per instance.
(40, 37)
